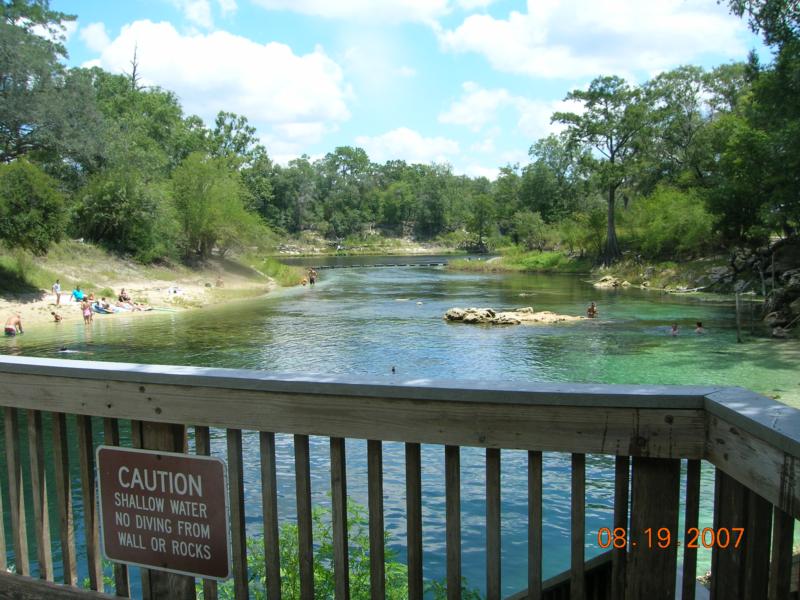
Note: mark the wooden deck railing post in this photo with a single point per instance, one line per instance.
(743, 571)
(654, 506)
(377, 560)
(111, 438)
(414, 520)
(534, 525)
(160, 584)
(269, 495)
(64, 497)
(622, 483)
(577, 584)
(202, 446)
(493, 560)
(341, 554)
(452, 478)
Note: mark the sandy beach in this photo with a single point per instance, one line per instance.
(184, 293)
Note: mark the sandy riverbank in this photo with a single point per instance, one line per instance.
(197, 290)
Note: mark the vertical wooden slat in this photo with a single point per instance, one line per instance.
(619, 556)
(159, 584)
(90, 524)
(111, 438)
(238, 532)
(39, 492)
(137, 435)
(64, 498)
(16, 494)
(740, 572)
(452, 478)
(377, 564)
(341, 561)
(202, 446)
(780, 575)
(493, 586)
(758, 528)
(269, 495)
(691, 520)
(302, 469)
(577, 580)
(655, 504)
(414, 520)
(3, 559)
(534, 525)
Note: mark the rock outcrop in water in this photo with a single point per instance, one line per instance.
(511, 317)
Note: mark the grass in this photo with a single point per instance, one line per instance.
(525, 262)
(22, 273)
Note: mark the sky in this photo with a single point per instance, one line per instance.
(469, 82)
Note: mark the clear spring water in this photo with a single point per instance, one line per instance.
(364, 321)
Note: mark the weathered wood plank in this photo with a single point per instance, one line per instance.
(691, 520)
(41, 515)
(202, 446)
(16, 494)
(657, 432)
(19, 587)
(159, 584)
(236, 500)
(577, 585)
(756, 463)
(780, 574)
(493, 586)
(269, 496)
(3, 559)
(341, 560)
(89, 495)
(302, 471)
(655, 504)
(758, 527)
(619, 556)
(414, 520)
(111, 438)
(535, 525)
(452, 479)
(64, 498)
(377, 560)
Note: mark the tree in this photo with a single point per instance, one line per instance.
(612, 124)
(208, 200)
(482, 216)
(32, 213)
(529, 230)
(43, 107)
(777, 20)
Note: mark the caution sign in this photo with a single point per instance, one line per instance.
(164, 511)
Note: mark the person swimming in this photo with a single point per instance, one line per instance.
(591, 312)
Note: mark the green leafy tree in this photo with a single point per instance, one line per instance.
(208, 199)
(530, 230)
(482, 216)
(43, 108)
(612, 124)
(32, 212)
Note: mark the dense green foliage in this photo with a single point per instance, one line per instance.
(31, 207)
(690, 162)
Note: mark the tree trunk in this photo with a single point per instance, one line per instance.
(612, 253)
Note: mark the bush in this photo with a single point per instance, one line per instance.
(32, 211)
(669, 223)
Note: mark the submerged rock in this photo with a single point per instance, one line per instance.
(511, 317)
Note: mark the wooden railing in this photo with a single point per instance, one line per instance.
(753, 442)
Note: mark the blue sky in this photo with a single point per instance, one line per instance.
(468, 82)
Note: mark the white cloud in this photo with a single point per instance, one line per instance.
(95, 37)
(407, 144)
(406, 71)
(227, 6)
(197, 12)
(292, 97)
(474, 170)
(486, 145)
(473, 4)
(580, 38)
(67, 30)
(393, 11)
(478, 107)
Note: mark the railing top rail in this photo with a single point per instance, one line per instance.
(419, 388)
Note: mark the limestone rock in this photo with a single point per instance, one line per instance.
(606, 282)
(514, 317)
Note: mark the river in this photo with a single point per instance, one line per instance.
(366, 321)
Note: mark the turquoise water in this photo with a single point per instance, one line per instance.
(361, 321)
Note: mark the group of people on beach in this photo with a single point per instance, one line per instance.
(89, 305)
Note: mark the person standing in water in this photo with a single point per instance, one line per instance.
(699, 327)
(312, 276)
(674, 331)
(591, 312)
(14, 325)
